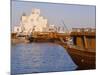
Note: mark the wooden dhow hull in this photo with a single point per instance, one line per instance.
(84, 58)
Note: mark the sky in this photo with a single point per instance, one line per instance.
(74, 16)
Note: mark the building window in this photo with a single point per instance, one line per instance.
(17, 29)
(33, 12)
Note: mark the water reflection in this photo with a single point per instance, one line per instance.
(39, 57)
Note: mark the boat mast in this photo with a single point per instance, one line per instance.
(65, 26)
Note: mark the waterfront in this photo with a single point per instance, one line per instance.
(40, 57)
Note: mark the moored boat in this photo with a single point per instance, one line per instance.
(83, 49)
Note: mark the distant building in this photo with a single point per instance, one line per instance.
(34, 22)
(17, 29)
(52, 28)
(60, 29)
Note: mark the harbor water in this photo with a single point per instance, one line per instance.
(39, 57)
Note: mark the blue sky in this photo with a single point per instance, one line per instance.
(73, 15)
